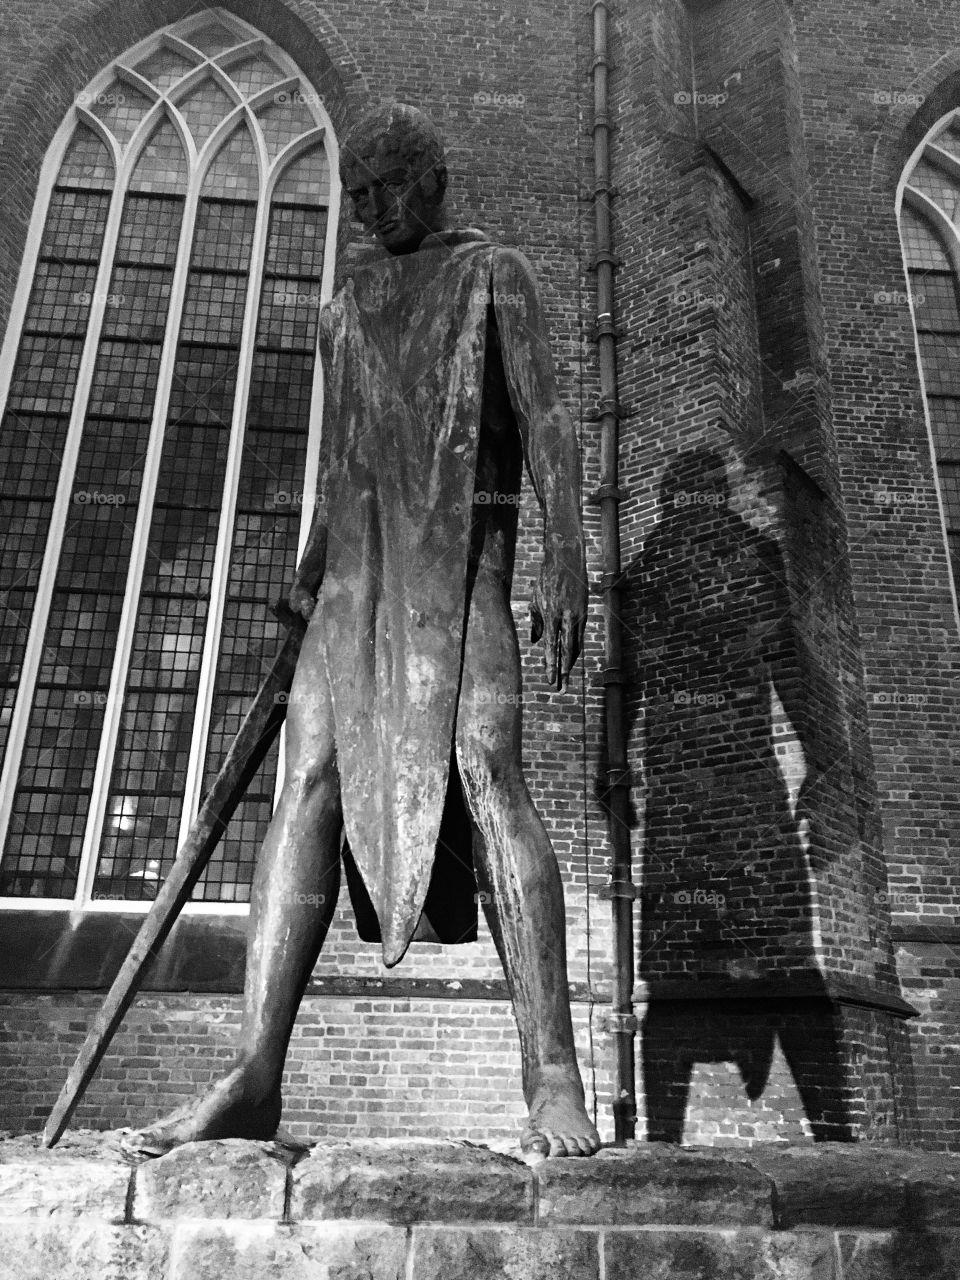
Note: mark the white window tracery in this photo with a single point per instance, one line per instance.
(161, 410)
(929, 215)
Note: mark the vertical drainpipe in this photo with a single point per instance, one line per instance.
(621, 891)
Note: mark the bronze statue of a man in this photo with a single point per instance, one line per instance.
(404, 714)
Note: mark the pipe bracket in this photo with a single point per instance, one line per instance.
(607, 490)
(619, 1024)
(619, 889)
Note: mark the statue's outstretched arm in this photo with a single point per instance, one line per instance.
(552, 455)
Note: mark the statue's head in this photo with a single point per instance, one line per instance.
(391, 164)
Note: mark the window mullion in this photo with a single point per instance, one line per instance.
(33, 652)
(220, 575)
(950, 237)
(138, 554)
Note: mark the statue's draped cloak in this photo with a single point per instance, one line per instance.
(402, 346)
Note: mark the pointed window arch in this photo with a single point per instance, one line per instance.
(929, 214)
(158, 444)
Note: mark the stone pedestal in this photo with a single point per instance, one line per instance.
(388, 1210)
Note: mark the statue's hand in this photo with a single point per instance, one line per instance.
(302, 600)
(559, 614)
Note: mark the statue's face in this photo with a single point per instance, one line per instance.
(393, 204)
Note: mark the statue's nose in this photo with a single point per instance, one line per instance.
(381, 200)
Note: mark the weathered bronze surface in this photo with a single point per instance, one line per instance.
(403, 725)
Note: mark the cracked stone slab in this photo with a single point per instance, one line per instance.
(225, 1178)
(405, 1181)
(654, 1183)
(270, 1251)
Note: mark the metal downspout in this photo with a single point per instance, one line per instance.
(621, 1023)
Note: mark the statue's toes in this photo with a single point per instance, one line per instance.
(144, 1143)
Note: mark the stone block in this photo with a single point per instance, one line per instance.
(653, 1183)
(227, 1178)
(837, 1184)
(517, 1253)
(932, 1192)
(399, 1180)
(718, 1254)
(49, 1186)
(272, 1251)
(899, 1255)
(59, 1250)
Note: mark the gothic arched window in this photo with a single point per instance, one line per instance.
(929, 211)
(161, 411)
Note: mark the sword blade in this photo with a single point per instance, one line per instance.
(257, 733)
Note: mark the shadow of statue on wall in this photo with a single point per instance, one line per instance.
(728, 941)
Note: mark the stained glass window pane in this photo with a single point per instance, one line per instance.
(212, 37)
(56, 775)
(945, 422)
(937, 315)
(255, 73)
(235, 170)
(266, 529)
(165, 67)
(949, 139)
(60, 300)
(935, 183)
(922, 244)
(34, 427)
(935, 301)
(150, 230)
(87, 162)
(940, 353)
(950, 494)
(163, 164)
(295, 243)
(283, 119)
(121, 107)
(156, 731)
(204, 108)
(305, 181)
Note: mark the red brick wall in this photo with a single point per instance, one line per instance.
(863, 71)
(356, 1068)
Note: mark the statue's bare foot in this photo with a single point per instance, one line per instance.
(558, 1124)
(227, 1111)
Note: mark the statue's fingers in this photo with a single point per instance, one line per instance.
(555, 634)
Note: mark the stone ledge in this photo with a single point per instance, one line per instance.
(409, 1181)
(384, 1210)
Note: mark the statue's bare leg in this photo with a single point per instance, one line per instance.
(517, 869)
(294, 895)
